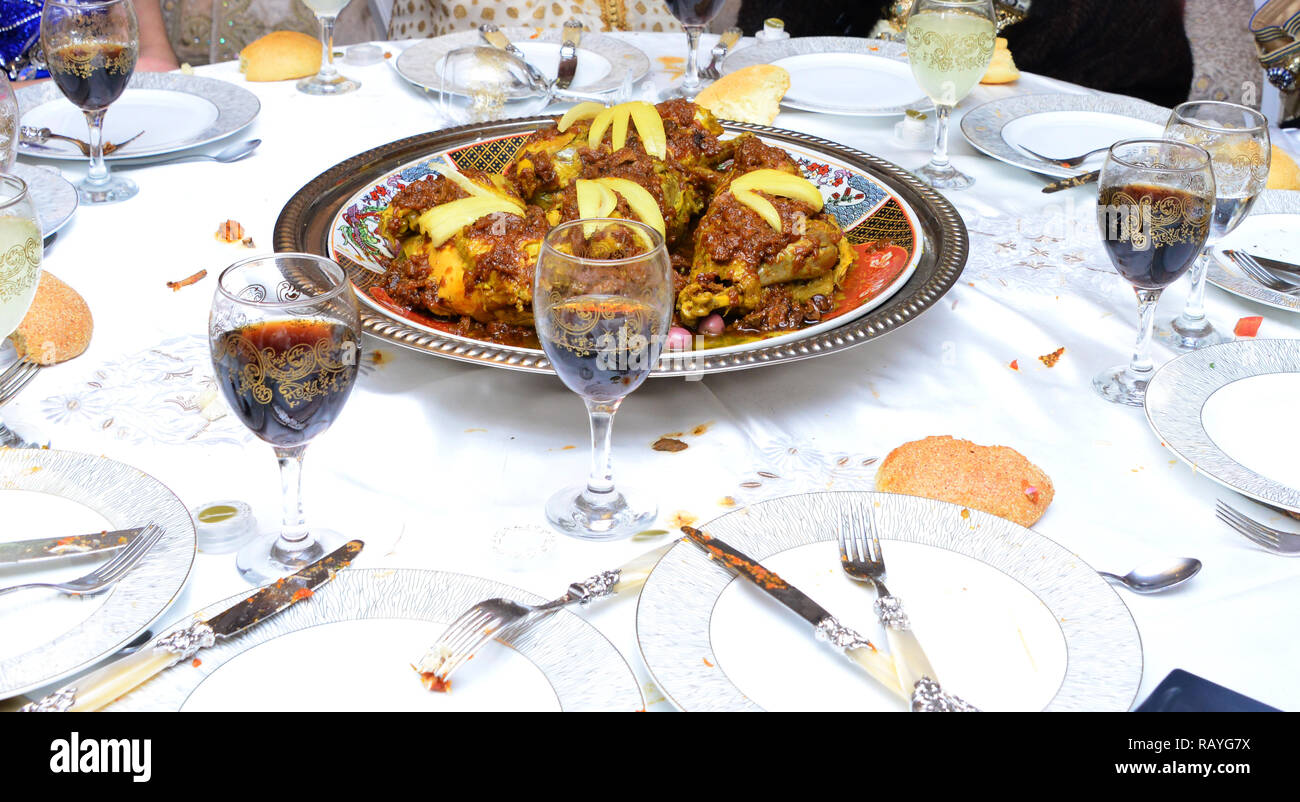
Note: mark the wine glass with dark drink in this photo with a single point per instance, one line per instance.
(285, 339)
(1154, 210)
(603, 301)
(90, 50)
(1236, 137)
(693, 15)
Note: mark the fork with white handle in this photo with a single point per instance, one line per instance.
(497, 618)
(863, 561)
(106, 574)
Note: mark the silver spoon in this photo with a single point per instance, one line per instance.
(226, 155)
(1155, 577)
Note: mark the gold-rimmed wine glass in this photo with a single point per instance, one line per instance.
(602, 302)
(1237, 140)
(949, 46)
(90, 49)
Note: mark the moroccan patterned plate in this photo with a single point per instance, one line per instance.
(1010, 620)
(49, 636)
(350, 647)
(1226, 411)
(336, 215)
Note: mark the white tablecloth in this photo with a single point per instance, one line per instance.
(432, 457)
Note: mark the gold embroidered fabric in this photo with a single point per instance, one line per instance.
(415, 19)
(207, 31)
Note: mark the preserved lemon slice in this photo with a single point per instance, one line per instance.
(582, 111)
(594, 199)
(777, 182)
(475, 190)
(602, 122)
(650, 127)
(639, 200)
(441, 223)
(759, 204)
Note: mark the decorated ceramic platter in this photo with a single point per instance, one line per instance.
(909, 242)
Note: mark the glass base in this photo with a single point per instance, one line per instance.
(337, 85)
(1181, 337)
(590, 516)
(1119, 386)
(115, 190)
(680, 91)
(943, 178)
(261, 560)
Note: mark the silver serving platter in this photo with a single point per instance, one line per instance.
(305, 225)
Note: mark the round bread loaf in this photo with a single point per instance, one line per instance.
(993, 479)
(1283, 172)
(58, 324)
(281, 56)
(749, 95)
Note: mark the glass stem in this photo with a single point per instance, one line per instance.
(1141, 367)
(327, 72)
(1194, 310)
(691, 78)
(98, 172)
(293, 527)
(600, 482)
(939, 158)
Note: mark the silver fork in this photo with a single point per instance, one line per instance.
(864, 561)
(106, 574)
(725, 43)
(498, 618)
(1072, 161)
(16, 377)
(1260, 275)
(1274, 540)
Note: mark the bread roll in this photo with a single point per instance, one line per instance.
(1282, 171)
(748, 95)
(281, 56)
(58, 324)
(1002, 69)
(993, 479)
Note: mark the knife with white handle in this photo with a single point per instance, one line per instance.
(102, 687)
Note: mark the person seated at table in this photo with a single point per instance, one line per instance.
(424, 18)
(1130, 48)
(20, 28)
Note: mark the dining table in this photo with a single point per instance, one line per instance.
(446, 465)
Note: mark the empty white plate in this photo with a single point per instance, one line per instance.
(1272, 230)
(1058, 125)
(174, 111)
(839, 74)
(1227, 411)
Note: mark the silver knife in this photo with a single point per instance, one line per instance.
(1271, 264)
(926, 696)
(569, 53)
(53, 548)
(100, 688)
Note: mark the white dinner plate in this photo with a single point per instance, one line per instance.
(351, 646)
(1228, 411)
(48, 636)
(839, 74)
(1271, 230)
(1059, 125)
(1009, 619)
(56, 198)
(603, 61)
(175, 112)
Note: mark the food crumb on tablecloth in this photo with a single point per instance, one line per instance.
(1051, 359)
(669, 444)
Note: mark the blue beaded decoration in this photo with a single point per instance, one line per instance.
(20, 29)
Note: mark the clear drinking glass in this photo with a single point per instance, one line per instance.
(327, 81)
(480, 84)
(949, 45)
(1154, 208)
(693, 15)
(90, 50)
(20, 262)
(285, 339)
(1237, 140)
(603, 301)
